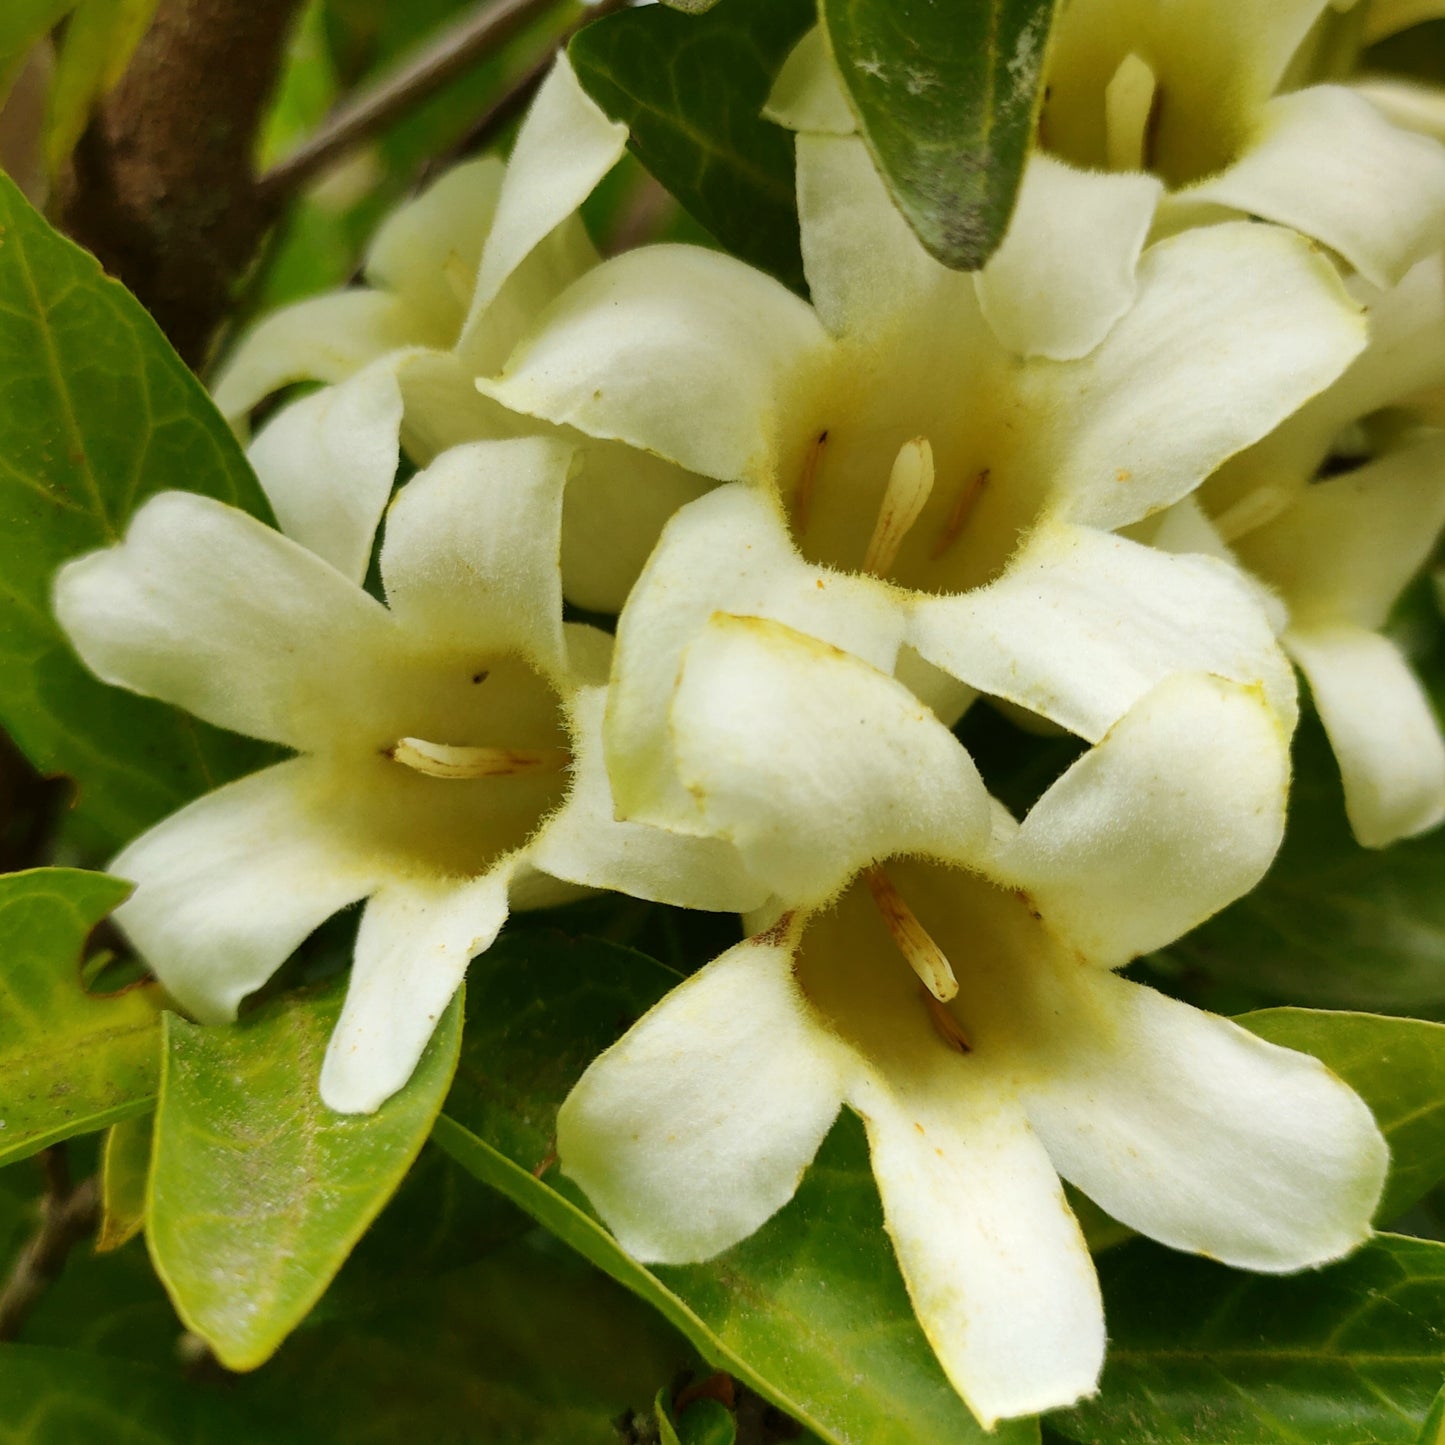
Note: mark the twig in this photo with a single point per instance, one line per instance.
(476, 34)
(68, 1214)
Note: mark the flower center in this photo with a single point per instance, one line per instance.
(441, 760)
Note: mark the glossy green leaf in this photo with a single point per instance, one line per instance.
(947, 97)
(1349, 1355)
(97, 46)
(1332, 924)
(125, 1162)
(1432, 1432)
(1397, 1066)
(70, 1062)
(707, 1422)
(691, 90)
(22, 23)
(810, 1312)
(96, 413)
(257, 1190)
(62, 1397)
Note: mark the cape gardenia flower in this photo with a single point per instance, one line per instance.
(1340, 550)
(448, 747)
(454, 277)
(888, 433)
(958, 996)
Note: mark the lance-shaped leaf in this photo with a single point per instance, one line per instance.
(690, 89)
(811, 1311)
(1397, 1066)
(96, 413)
(258, 1191)
(947, 97)
(1338, 1356)
(70, 1062)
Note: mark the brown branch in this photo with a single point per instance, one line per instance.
(68, 1214)
(163, 187)
(459, 46)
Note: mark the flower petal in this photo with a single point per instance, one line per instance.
(444, 409)
(1347, 547)
(1404, 103)
(695, 1128)
(325, 338)
(616, 506)
(1236, 326)
(866, 270)
(229, 887)
(1081, 625)
(1065, 272)
(565, 146)
(327, 464)
(1380, 723)
(427, 251)
(207, 608)
(995, 1264)
(1326, 163)
(583, 842)
(808, 95)
(618, 357)
(814, 763)
(1198, 1134)
(729, 551)
(412, 950)
(471, 549)
(1176, 813)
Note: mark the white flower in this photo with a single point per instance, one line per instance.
(454, 278)
(911, 479)
(957, 995)
(448, 760)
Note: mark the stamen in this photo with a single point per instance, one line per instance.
(904, 498)
(803, 497)
(924, 956)
(1131, 115)
(438, 760)
(968, 496)
(945, 1025)
(1262, 505)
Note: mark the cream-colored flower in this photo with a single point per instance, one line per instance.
(453, 279)
(912, 479)
(946, 973)
(448, 763)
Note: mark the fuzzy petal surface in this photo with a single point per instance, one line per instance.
(1177, 812)
(695, 1128)
(1196, 1133)
(808, 95)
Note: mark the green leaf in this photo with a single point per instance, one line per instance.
(707, 1422)
(1397, 1066)
(98, 412)
(93, 55)
(690, 89)
(948, 99)
(1433, 1430)
(257, 1190)
(70, 1062)
(1349, 1355)
(1332, 924)
(125, 1162)
(22, 23)
(59, 1397)
(810, 1312)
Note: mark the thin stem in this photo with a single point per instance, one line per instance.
(458, 47)
(68, 1214)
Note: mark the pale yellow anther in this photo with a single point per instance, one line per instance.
(440, 760)
(803, 497)
(1131, 101)
(968, 495)
(924, 956)
(1262, 505)
(909, 485)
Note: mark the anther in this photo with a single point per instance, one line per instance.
(968, 496)
(945, 1025)
(909, 485)
(439, 760)
(924, 956)
(803, 497)
(1262, 505)
(1131, 115)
